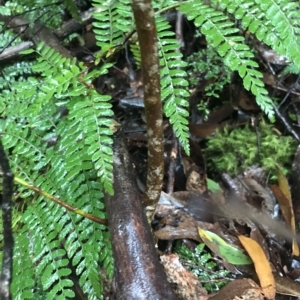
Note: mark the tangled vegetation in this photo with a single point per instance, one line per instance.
(202, 265)
(70, 157)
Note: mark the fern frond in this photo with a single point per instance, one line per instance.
(82, 149)
(47, 12)
(88, 111)
(166, 4)
(114, 20)
(24, 279)
(49, 257)
(291, 69)
(284, 16)
(173, 83)
(91, 122)
(135, 49)
(82, 239)
(222, 34)
(15, 72)
(276, 23)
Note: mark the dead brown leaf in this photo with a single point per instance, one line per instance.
(262, 266)
(204, 130)
(287, 286)
(240, 289)
(285, 201)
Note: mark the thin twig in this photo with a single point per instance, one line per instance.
(286, 123)
(172, 166)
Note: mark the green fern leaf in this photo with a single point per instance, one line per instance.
(284, 16)
(114, 20)
(173, 83)
(135, 49)
(67, 170)
(219, 32)
(49, 265)
(23, 271)
(274, 23)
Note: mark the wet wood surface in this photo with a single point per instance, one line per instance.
(138, 272)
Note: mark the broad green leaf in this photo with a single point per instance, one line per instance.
(213, 186)
(227, 252)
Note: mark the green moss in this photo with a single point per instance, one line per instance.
(232, 151)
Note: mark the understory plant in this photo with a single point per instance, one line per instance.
(57, 130)
(207, 65)
(201, 264)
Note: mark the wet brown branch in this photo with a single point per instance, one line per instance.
(13, 52)
(146, 29)
(138, 273)
(7, 261)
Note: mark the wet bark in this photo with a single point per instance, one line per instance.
(8, 239)
(138, 272)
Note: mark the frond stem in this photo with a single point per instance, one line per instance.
(58, 201)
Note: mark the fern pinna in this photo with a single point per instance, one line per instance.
(276, 23)
(113, 21)
(173, 83)
(69, 157)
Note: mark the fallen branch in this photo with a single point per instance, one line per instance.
(8, 240)
(138, 272)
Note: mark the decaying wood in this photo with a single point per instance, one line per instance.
(188, 286)
(138, 272)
